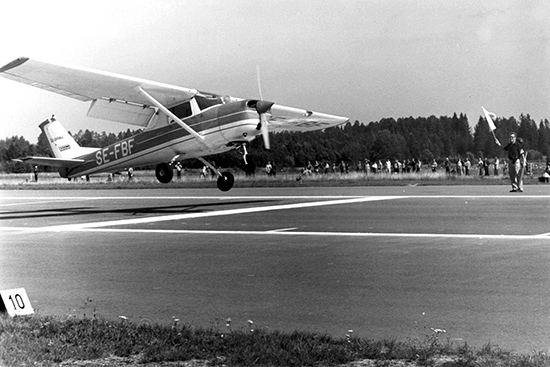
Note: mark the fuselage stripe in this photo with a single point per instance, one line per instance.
(177, 135)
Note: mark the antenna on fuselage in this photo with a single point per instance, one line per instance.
(259, 84)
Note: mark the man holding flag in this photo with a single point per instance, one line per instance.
(516, 154)
(518, 159)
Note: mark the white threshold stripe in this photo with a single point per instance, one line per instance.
(286, 232)
(165, 218)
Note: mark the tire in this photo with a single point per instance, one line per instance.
(226, 181)
(164, 173)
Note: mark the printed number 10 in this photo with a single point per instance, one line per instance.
(18, 300)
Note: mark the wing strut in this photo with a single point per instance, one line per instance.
(170, 114)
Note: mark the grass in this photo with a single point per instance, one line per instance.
(52, 341)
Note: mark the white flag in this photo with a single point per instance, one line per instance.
(492, 126)
(488, 116)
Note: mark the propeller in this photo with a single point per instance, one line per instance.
(262, 107)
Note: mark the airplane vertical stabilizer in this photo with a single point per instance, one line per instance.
(61, 142)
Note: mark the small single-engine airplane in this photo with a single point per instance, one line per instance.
(180, 123)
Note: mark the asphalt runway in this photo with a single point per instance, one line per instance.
(385, 262)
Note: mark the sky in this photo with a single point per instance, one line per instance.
(366, 60)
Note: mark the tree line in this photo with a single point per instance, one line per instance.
(421, 138)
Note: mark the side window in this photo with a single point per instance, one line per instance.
(182, 110)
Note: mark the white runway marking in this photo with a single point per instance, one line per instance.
(39, 201)
(283, 229)
(68, 198)
(216, 213)
(326, 200)
(286, 232)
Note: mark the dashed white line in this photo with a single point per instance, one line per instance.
(283, 229)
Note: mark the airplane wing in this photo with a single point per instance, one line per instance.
(114, 97)
(124, 99)
(294, 119)
(53, 162)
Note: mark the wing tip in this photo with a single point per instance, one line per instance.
(14, 63)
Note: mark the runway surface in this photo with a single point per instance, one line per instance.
(385, 262)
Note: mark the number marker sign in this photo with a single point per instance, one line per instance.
(15, 302)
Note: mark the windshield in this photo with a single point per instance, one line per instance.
(208, 101)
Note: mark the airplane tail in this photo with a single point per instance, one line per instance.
(62, 144)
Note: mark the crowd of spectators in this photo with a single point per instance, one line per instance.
(484, 167)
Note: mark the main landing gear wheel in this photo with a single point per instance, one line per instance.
(226, 181)
(164, 173)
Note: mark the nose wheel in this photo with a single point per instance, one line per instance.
(225, 181)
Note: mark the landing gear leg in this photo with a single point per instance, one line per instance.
(225, 180)
(248, 166)
(245, 153)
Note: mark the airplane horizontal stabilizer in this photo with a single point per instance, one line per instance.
(53, 162)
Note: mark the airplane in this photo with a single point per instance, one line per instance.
(179, 123)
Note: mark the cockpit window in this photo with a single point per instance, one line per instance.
(182, 110)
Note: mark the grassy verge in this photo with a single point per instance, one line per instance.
(53, 341)
(146, 180)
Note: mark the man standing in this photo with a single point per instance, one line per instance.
(130, 174)
(467, 166)
(497, 163)
(179, 168)
(516, 155)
